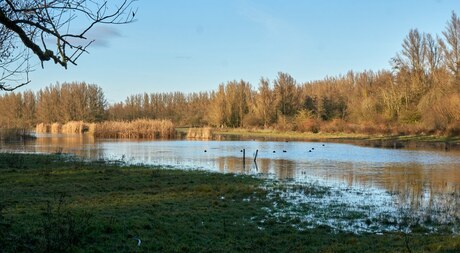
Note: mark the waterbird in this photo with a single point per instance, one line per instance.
(312, 148)
(284, 151)
(324, 145)
(309, 150)
(205, 151)
(274, 151)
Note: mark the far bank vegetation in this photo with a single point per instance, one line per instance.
(203, 133)
(419, 95)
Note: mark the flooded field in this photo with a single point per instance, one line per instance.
(347, 187)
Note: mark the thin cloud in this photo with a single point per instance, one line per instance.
(270, 23)
(102, 35)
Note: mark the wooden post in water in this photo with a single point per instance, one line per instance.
(255, 157)
(244, 159)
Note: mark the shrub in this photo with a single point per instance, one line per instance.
(284, 124)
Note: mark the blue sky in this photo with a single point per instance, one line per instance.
(185, 45)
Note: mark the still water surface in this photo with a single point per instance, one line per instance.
(425, 183)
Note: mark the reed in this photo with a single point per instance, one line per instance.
(56, 128)
(91, 128)
(203, 133)
(43, 128)
(75, 127)
(137, 129)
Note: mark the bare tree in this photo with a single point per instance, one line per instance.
(413, 54)
(433, 53)
(264, 103)
(451, 46)
(51, 30)
(286, 94)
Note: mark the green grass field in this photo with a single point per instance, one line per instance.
(56, 203)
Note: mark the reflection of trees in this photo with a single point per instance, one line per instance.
(426, 191)
(232, 164)
(67, 144)
(264, 165)
(284, 169)
(222, 164)
(434, 190)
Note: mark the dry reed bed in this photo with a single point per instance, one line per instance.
(43, 128)
(138, 129)
(204, 133)
(75, 127)
(56, 128)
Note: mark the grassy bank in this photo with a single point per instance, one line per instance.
(55, 203)
(286, 134)
(390, 141)
(330, 136)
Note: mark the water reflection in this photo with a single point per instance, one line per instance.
(433, 190)
(423, 181)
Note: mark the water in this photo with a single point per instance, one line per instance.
(385, 189)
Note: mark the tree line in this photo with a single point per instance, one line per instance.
(419, 94)
(56, 103)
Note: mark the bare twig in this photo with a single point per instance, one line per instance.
(33, 23)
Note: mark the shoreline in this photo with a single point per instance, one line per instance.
(436, 142)
(380, 141)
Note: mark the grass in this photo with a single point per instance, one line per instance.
(55, 203)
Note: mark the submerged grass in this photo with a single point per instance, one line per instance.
(55, 203)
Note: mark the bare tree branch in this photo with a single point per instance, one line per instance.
(33, 25)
